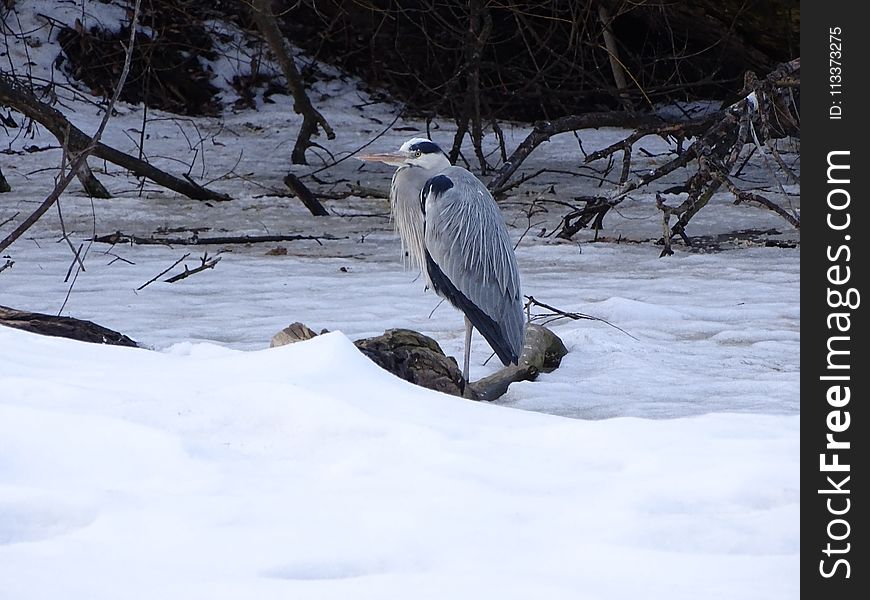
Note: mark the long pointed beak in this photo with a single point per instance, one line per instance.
(391, 158)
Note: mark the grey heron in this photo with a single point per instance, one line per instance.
(453, 231)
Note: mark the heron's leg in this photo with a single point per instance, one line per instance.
(468, 329)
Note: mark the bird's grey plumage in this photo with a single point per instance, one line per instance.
(407, 216)
(465, 236)
(453, 231)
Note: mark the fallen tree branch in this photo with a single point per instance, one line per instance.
(542, 352)
(595, 209)
(555, 313)
(195, 240)
(4, 185)
(746, 196)
(544, 130)
(419, 359)
(207, 263)
(305, 195)
(92, 185)
(718, 142)
(77, 141)
(161, 273)
(9, 220)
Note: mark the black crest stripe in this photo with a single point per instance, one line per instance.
(426, 147)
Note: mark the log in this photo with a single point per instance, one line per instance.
(66, 327)
(196, 240)
(542, 353)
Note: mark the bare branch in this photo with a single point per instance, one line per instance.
(544, 130)
(195, 240)
(77, 141)
(162, 273)
(207, 263)
(261, 10)
(305, 195)
(83, 152)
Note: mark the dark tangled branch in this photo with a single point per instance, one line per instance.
(544, 130)
(766, 112)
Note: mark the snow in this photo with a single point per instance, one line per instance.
(658, 463)
(213, 472)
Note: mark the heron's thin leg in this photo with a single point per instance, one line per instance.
(468, 329)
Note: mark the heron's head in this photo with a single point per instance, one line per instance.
(416, 152)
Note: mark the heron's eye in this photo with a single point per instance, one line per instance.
(417, 154)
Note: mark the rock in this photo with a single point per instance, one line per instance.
(297, 332)
(416, 358)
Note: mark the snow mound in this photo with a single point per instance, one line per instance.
(307, 470)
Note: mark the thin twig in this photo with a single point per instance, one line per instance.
(572, 315)
(162, 273)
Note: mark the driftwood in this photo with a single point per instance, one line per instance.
(66, 327)
(75, 140)
(419, 359)
(542, 353)
(416, 358)
(196, 240)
